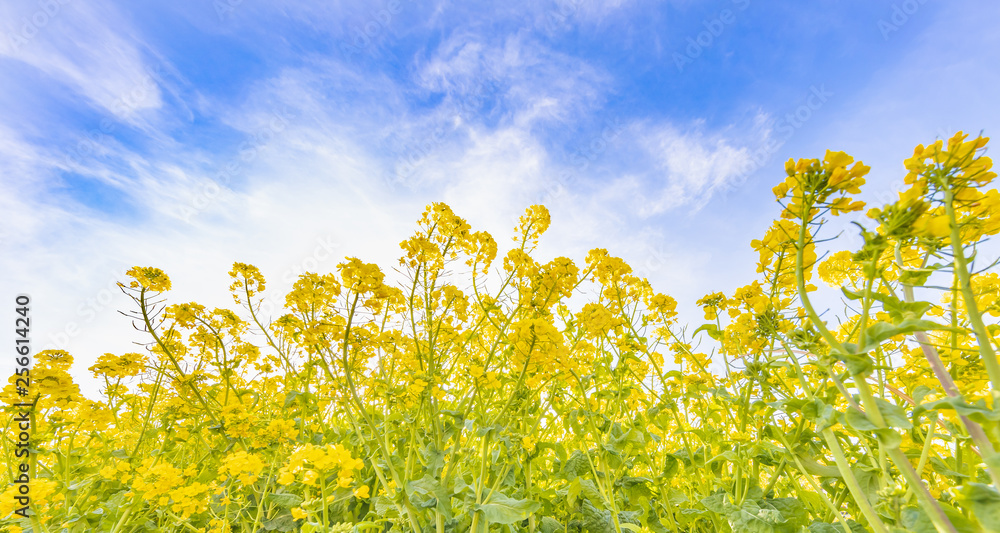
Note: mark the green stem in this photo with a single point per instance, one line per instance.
(815, 486)
(937, 366)
(986, 351)
(852, 483)
(934, 510)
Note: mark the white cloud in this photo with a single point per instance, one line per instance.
(85, 45)
(694, 165)
(320, 186)
(525, 80)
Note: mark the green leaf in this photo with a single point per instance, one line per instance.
(596, 520)
(384, 507)
(728, 455)
(889, 437)
(977, 413)
(822, 414)
(670, 467)
(894, 416)
(818, 469)
(585, 487)
(823, 527)
(919, 393)
(717, 503)
(916, 520)
(880, 331)
(712, 330)
(858, 363)
(556, 447)
(303, 398)
(429, 486)
(577, 465)
(984, 501)
(897, 309)
(791, 510)
(754, 517)
(915, 277)
(868, 479)
(636, 487)
(992, 461)
(285, 501)
(283, 523)
(944, 469)
(550, 525)
(503, 509)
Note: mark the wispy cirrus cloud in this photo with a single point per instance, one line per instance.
(255, 137)
(87, 46)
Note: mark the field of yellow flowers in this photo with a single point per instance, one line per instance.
(497, 393)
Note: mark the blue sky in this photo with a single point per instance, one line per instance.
(191, 134)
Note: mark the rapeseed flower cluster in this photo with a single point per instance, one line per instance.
(540, 395)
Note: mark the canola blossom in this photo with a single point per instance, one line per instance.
(491, 391)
